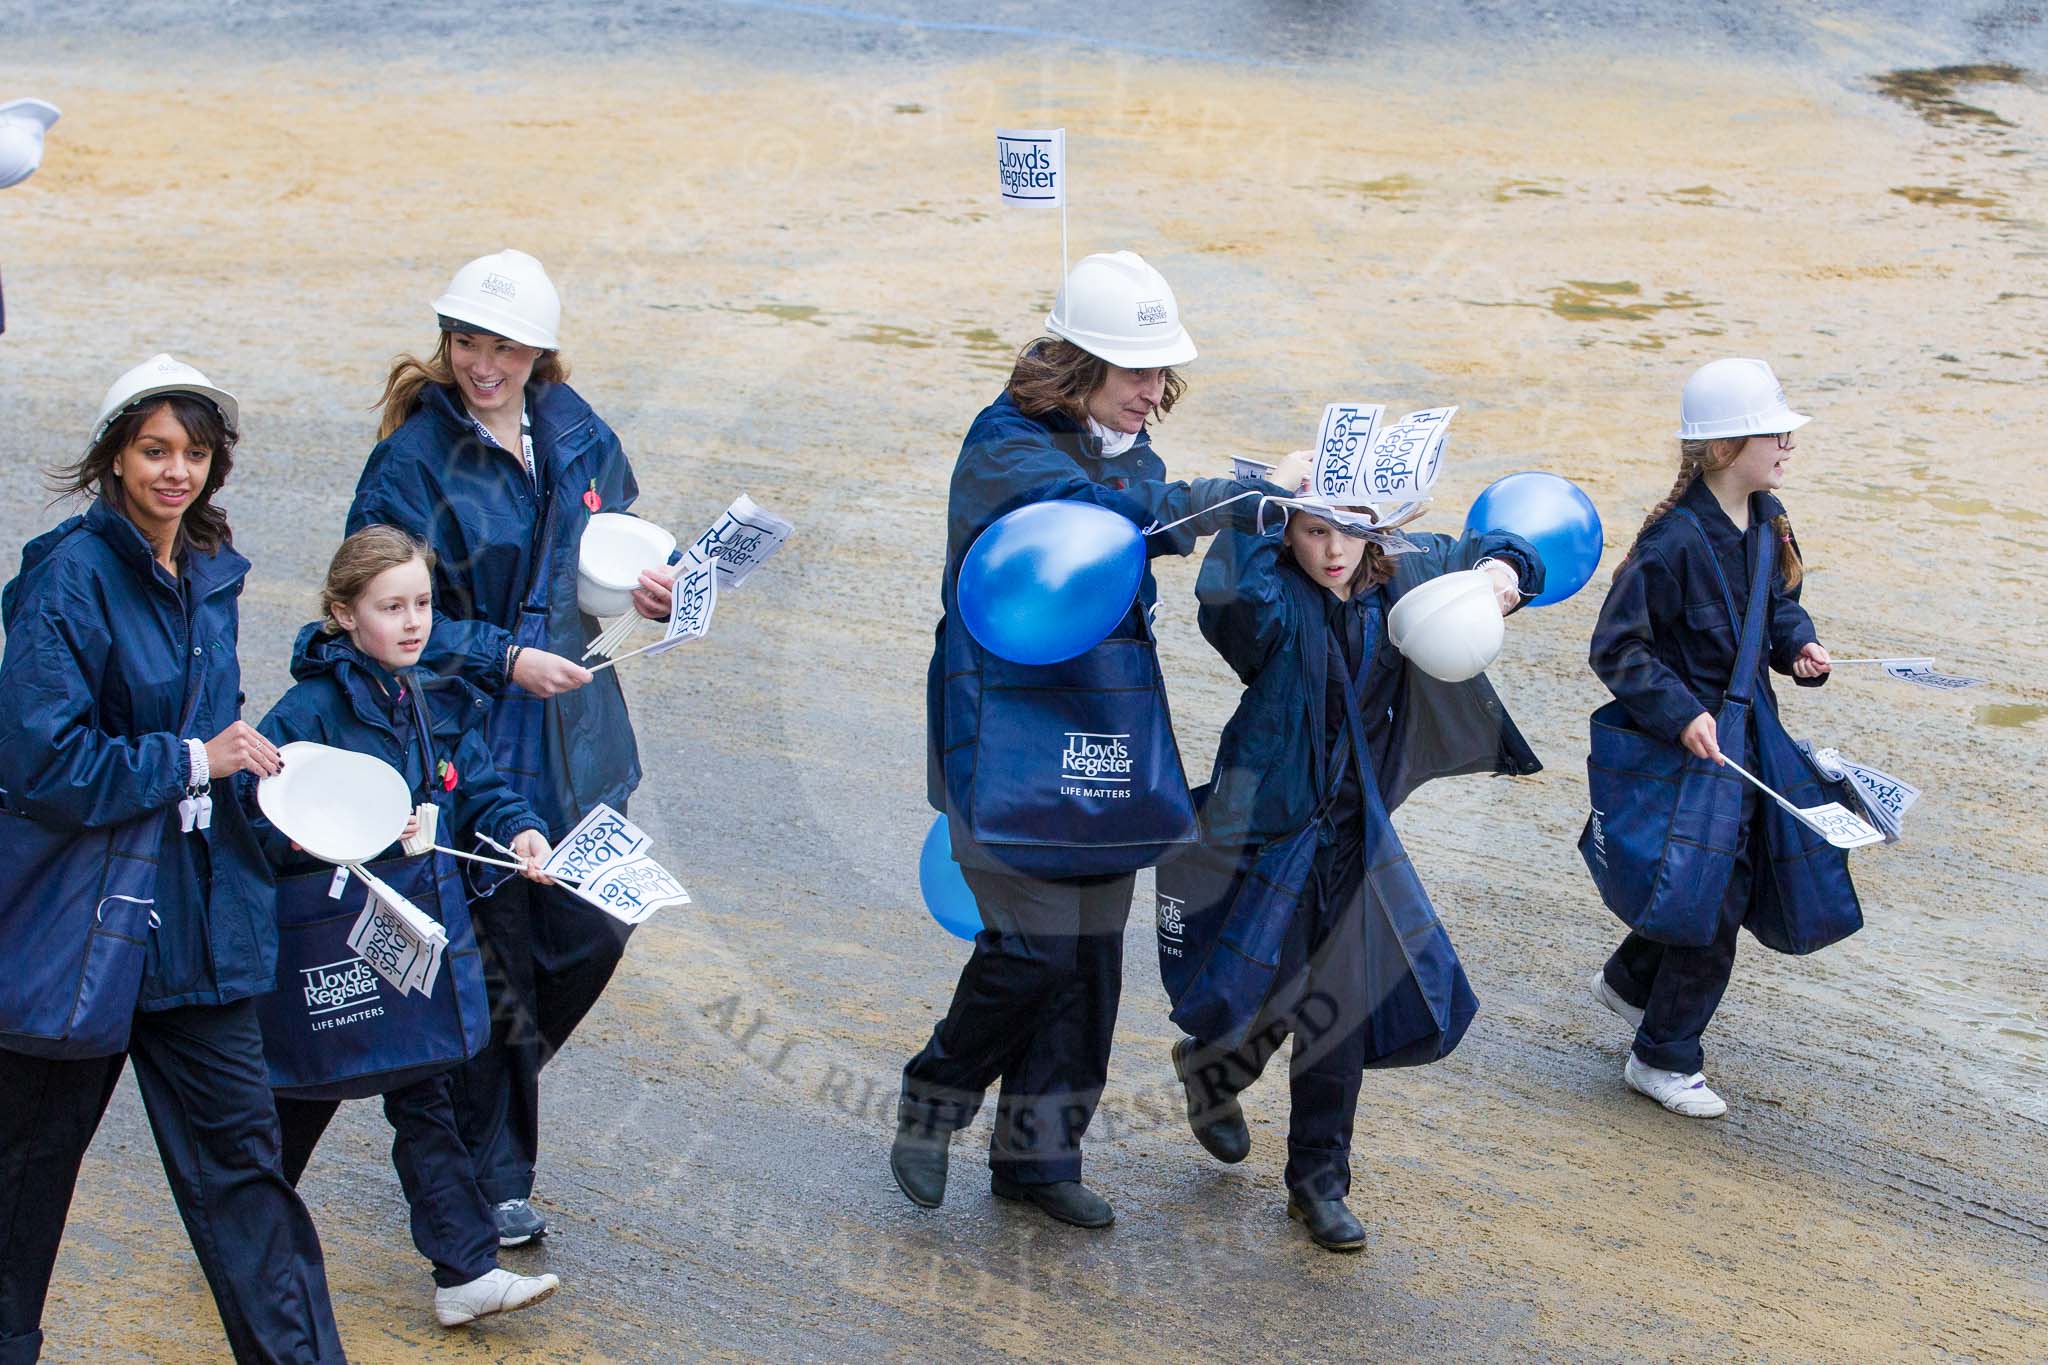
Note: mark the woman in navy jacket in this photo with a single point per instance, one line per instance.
(497, 464)
(1665, 647)
(1036, 1004)
(120, 694)
(355, 689)
(1301, 620)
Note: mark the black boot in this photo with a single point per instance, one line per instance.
(1330, 1224)
(918, 1158)
(1067, 1200)
(1218, 1127)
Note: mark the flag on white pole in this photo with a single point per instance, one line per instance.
(1031, 166)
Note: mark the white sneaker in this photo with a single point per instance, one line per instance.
(1611, 998)
(499, 1291)
(1675, 1090)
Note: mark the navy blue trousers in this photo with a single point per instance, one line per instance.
(207, 1092)
(451, 1223)
(1678, 989)
(547, 957)
(1035, 1009)
(1325, 1012)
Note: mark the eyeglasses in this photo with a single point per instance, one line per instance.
(1784, 440)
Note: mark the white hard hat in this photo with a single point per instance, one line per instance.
(1739, 397)
(506, 293)
(609, 559)
(22, 124)
(1451, 626)
(162, 374)
(1119, 309)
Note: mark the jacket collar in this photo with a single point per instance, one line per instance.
(1075, 437)
(561, 420)
(1763, 506)
(206, 572)
(371, 689)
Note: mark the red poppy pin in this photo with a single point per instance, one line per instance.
(591, 499)
(448, 776)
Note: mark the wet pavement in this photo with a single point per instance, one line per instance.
(784, 271)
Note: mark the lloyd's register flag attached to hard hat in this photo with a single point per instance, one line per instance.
(1032, 165)
(1031, 168)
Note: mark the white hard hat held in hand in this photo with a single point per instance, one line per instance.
(22, 125)
(506, 294)
(1739, 397)
(1117, 308)
(1449, 627)
(157, 375)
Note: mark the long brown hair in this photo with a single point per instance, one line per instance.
(409, 375)
(1055, 375)
(204, 527)
(360, 559)
(1708, 457)
(1375, 566)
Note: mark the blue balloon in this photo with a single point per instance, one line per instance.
(1554, 515)
(1050, 580)
(946, 893)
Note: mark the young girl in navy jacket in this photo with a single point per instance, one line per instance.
(1666, 649)
(1301, 618)
(358, 688)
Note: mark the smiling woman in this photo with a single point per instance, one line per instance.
(487, 456)
(120, 656)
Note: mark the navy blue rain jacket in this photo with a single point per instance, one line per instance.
(347, 700)
(93, 682)
(1007, 461)
(437, 478)
(1663, 644)
(1267, 620)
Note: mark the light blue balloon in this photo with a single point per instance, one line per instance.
(945, 890)
(1553, 514)
(1050, 580)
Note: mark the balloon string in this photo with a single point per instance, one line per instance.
(1156, 527)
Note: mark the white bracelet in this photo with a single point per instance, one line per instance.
(201, 774)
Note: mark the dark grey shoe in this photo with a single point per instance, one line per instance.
(1330, 1224)
(1219, 1127)
(1067, 1200)
(918, 1161)
(518, 1223)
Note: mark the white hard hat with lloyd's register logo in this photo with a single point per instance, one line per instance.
(506, 294)
(1117, 308)
(161, 374)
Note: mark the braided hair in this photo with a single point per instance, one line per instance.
(1707, 457)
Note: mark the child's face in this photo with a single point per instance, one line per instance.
(1324, 553)
(1760, 465)
(390, 620)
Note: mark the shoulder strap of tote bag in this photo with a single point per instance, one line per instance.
(1763, 563)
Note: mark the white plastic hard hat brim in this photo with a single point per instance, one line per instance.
(1177, 349)
(494, 321)
(337, 804)
(158, 375)
(1769, 422)
(41, 111)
